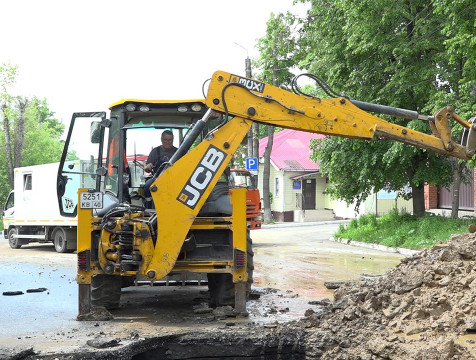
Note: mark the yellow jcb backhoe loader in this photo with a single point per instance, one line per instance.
(197, 227)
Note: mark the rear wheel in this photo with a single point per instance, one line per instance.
(60, 240)
(64, 240)
(106, 291)
(14, 242)
(221, 286)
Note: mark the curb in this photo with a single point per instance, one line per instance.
(402, 251)
(299, 224)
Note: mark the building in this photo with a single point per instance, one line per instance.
(296, 185)
(298, 188)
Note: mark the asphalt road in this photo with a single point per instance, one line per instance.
(291, 265)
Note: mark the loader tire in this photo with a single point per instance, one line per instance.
(221, 286)
(14, 243)
(106, 291)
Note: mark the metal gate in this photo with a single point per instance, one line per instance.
(466, 197)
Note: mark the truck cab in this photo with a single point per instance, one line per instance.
(241, 178)
(8, 212)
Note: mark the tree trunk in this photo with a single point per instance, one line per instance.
(249, 142)
(418, 195)
(267, 163)
(20, 135)
(458, 169)
(8, 145)
(255, 128)
(266, 174)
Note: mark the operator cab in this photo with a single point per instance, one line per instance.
(111, 153)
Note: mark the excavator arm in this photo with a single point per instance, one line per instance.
(342, 117)
(186, 184)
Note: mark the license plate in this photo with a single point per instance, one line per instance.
(91, 200)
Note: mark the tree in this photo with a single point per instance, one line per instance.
(456, 83)
(274, 62)
(31, 133)
(8, 74)
(390, 57)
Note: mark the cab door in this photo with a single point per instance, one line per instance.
(81, 164)
(9, 211)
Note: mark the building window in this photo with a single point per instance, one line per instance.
(276, 186)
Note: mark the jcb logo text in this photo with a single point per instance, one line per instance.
(201, 177)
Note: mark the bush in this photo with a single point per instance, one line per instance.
(354, 224)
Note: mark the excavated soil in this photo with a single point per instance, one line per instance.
(422, 309)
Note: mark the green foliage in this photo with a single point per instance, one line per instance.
(392, 54)
(8, 74)
(42, 135)
(403, 230)
(42, 131)
(276, 50)
(238, 160)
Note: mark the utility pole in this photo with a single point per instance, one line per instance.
(248, 74)
(250, 132)
(253, 134)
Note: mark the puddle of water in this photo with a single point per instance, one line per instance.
(304, 279)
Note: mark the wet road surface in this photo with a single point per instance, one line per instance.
(298, 260)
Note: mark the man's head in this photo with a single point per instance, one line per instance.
(167, 139)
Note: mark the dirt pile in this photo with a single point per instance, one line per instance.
(422, 309)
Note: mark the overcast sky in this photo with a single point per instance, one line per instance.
(85, 55)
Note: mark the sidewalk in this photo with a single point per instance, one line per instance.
(403, 251)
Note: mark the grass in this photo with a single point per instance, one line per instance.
(403, 230)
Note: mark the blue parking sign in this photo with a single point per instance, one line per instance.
(252, 163)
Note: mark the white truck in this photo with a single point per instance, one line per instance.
(31, 213)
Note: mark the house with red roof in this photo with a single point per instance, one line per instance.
(296, 185)
(298, 189)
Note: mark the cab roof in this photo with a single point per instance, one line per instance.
(187, 101)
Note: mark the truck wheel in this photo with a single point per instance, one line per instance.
(60, 240)
(221, 286)
(14, 243)
(106, 291)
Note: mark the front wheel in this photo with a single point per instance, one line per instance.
(106, 291)
(12, 240)
(221, 286)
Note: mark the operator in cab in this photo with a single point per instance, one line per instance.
(159, 155)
